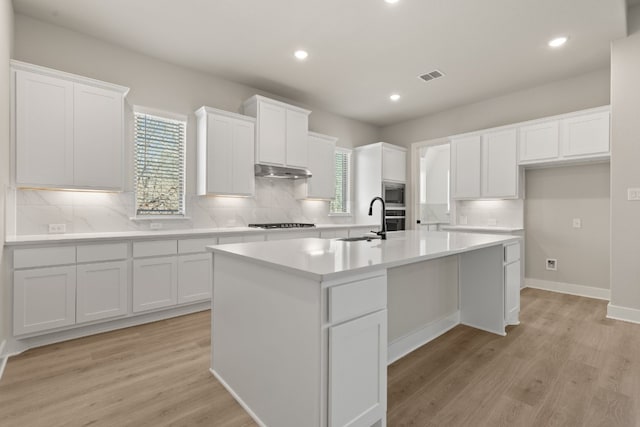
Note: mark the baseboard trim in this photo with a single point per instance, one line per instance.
(408, 343)
(625, 314)
(237, 398)
(568, 288)
(3, 358)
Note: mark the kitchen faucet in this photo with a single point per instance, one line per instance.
(383, 230)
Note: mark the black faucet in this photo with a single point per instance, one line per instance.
(383, 231)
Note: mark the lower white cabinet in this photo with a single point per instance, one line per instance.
(43, 298)
(155, 283)
(101, 290)
(512, 278)
(194, 277)
(358, 371)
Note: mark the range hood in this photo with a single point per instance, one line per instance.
(271, 171)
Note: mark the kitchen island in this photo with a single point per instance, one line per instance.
(303, 330)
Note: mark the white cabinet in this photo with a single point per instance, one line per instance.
(465, 164)
(539, 141)
(585, 135)
(68, 130)
(225, 156)
(321, 163)
(358, 371)
(394, 163)
(499, 164)
(281, 132)
(101, 290)
(194, 277)
(155, 283)
(512, 279)
(43, 298)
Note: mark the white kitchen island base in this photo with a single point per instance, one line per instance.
(305, 343)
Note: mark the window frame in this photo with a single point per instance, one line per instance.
(168, 116)
(347, 202)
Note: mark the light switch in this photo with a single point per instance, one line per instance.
(577, 223)
(633, 193)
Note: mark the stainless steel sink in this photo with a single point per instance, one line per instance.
(358, 239)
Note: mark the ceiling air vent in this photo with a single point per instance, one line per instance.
(435, 74)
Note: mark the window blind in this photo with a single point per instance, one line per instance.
(159, 165)
(343, 182)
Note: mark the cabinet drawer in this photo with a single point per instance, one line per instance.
(108, 252)
(191, 246)
(357, 298)
(155, 248)
(512, 252)
(42, 257)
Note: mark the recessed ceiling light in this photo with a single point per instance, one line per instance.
(392, 1)
(558, 41)
(301, 54)
(394, 97)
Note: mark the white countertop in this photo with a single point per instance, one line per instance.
(190, 232)
(479, 228)
(323, 259)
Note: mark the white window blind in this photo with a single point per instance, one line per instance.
(159, 165)
(340, 205)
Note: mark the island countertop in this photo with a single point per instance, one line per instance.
(326, 259)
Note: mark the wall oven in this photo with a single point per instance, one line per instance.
(393, 194)
(395, 219)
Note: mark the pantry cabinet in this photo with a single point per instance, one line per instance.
(68, 131)
(321, 162)
(225, 158)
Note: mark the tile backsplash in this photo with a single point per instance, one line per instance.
(482, 213)
(89, 212)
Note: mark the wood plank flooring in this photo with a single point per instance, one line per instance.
(565, 365)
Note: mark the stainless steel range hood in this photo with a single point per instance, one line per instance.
(271, 171)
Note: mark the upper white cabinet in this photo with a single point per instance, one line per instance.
(225, 153)
(465, 161)
(583, 135)
(68, 130)
(281, 132)
(394, 163)
(321, 163)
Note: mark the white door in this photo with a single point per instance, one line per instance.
(465, 165)
(539, 142)
(394, 164)
(219, 154)
(499, 164)
(243, 176)
(44, 130)
(194, 277)
(585, 135)
(358, 371)
(322, 184)
(272, 133)
(155, 283)
(101, 290)
(297, 138)
(98, 138)
(43, 298)
(512, 292)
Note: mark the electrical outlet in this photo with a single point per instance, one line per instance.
(633, 193)
(492, 221)
(577, 223)
(552, 264)
(57, 228)
(463, 220)
(155, 226)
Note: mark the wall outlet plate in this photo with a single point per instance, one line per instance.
(155, 226)
(633, 193)
(577, 223)
(57, 228)
(552, 264)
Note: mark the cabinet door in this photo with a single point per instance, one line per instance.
(499, 164)
(272, 133)
(358, 371)
(219, 154)
(322, 165)
(155, 283)
(43, 298)
(98, 138)
(297, 138)
(539, 142)
(243, 177)
(394, 165)
(585, 135)
(44, 130)
(465, 161)
(101, 291)
(194, 277)
(512, 293)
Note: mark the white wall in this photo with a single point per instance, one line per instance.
(555, 196)
(6, 46)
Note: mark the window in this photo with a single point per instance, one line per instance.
(159, 164)
(340, 205)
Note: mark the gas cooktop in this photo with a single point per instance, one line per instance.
(282, 225)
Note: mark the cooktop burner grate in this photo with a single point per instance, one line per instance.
(282, 225)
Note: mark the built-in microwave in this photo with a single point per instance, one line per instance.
(393, 194)
(395, 219)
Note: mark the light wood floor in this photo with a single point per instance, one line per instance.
(565, 365)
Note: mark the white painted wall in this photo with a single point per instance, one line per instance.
(555, 196)
(6, 46)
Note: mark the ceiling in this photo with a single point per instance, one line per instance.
(360, 51)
